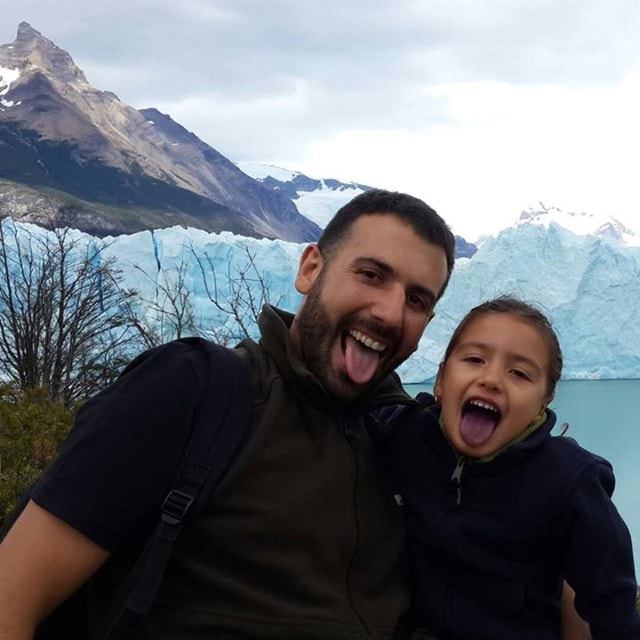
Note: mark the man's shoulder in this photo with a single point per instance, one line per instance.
(175, 356)
(175, 352)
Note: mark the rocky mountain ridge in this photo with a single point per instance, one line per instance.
(109, 168)
(319, 199)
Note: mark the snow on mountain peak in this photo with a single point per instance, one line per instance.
(260, 171)
(580, 224)
(7, 78)
(316, 199)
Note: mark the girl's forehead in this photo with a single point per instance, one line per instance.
(489, 320)
(503, 329)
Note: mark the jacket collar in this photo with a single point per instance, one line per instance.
(276, 340)
(508, 455)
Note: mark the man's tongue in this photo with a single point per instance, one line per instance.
(361, 362)
(477, 426)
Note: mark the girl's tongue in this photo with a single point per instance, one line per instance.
(477, 425)
(361, 362)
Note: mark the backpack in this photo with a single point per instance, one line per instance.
(217, 435)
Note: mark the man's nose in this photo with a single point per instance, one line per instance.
(389, 306)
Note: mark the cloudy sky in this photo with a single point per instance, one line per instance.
(480, 107)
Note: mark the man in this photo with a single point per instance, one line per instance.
(304, 540)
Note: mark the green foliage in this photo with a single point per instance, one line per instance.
(32, 428)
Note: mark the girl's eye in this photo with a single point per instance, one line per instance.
(520, 374)
(473, 359)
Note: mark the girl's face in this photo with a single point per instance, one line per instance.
(494, 383)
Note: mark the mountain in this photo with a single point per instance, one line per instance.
(75, 156)
(71, 155)
(318, 199)
(581, 223)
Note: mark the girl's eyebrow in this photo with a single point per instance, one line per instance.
(471, 345)
(528, 361)
(516, 357)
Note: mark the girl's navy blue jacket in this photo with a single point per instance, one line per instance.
(490, 541)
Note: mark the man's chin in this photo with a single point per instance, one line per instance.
(346, 390)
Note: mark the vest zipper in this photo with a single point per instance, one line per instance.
(350, 436)
(457, 479)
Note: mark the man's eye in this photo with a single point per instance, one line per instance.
(417, 302)
(368, 274)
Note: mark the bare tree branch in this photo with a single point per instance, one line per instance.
(65, 320)
(248, 293)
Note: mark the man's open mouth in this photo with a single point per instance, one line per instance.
(366, 340)
(479, 420)
(362, 355)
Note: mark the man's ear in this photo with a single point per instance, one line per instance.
(309, 268)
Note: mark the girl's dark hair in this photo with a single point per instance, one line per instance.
(531, 315)
(419, 215)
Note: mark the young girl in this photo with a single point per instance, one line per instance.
(498, 511)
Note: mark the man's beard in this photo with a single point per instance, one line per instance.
(317, 335)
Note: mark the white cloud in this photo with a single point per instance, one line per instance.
(505, 147)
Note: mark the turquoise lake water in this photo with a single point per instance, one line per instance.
(603, 418)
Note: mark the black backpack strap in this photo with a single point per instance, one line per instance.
(221, 428)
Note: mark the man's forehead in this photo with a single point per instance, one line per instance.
(374, 225)
(397, 250)
(384, 233)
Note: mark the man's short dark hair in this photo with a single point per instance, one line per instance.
(419, 215)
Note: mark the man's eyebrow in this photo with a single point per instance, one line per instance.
(366, 261)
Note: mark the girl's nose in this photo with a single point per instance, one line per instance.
(491, 378)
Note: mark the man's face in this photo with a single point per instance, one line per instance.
(367, 304)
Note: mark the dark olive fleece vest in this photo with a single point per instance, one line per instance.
(304, 539)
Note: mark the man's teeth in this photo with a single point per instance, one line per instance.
(366, 340)
(483, 405)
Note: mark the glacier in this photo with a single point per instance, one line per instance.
(587, 282)
(588, 285)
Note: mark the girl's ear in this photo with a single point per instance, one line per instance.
(437, 387)
(543, 407)
(310, 266)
